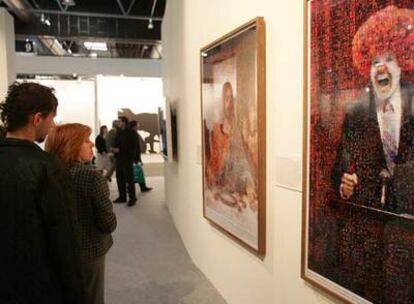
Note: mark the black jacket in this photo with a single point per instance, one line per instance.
(128, 143)
(100, 144)
(37, 230)
(361, 152)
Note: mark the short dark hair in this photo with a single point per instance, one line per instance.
(102, 128)
(24, 99)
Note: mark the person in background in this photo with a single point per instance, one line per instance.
(125, 150)
(110, 143)
(134, 126)
(38, 258)
(71, 144)
(102, 153)
(2, 131)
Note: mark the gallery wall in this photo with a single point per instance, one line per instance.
(239, 275)
(55, 65)
(139, 94)
(7, 60)
(95, 101)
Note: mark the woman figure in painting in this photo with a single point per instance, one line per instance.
(229, 174)
(71, 144)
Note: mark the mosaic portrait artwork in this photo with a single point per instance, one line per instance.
(358, 215)
(233, 116)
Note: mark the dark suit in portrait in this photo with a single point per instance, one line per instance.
(373, 246)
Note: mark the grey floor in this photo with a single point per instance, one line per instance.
(148, 263)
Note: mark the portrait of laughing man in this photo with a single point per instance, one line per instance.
(377, 134)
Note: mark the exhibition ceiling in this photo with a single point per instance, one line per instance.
(95, 28)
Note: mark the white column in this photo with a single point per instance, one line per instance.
(7, 52)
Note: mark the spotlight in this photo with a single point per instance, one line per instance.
(150, 24)
(68, 2)
(44, 20)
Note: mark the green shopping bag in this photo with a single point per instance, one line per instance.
(138, 174)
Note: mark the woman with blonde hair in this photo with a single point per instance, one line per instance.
(71, 144)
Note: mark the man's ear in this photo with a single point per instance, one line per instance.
(37, 119)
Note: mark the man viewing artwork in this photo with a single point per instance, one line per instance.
(37, 259)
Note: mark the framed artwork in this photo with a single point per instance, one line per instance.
(234, 134)
(358, 198)
(162, 124)
(174, 134)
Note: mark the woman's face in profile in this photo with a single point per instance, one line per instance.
(228, 100)
(86, 152)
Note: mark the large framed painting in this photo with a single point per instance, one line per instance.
(358, 198)
(233, 134)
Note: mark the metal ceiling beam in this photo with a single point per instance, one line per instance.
(153, 9)
(90, 14)
(124, 11)
(63, 9)
(121, 6)
(130, 6)
(19, 8)
(100, 39)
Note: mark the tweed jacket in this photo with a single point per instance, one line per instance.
(37, 228)
(95, 213)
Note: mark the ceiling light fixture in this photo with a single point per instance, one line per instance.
(44, 20)
(68, 2)
(150, 24)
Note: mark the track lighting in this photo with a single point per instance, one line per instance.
(150, 24)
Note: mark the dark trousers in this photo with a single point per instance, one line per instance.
(93, 275)
(124, 177)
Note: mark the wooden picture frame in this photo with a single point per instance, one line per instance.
(233, 103)
(357, 241)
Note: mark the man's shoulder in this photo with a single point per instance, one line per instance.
(24, 149)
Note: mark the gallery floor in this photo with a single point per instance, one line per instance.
(148, 263)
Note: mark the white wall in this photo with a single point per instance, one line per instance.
(241, 277)
(140, 94)
(76, 101)
(7, 46)
(53, 65)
